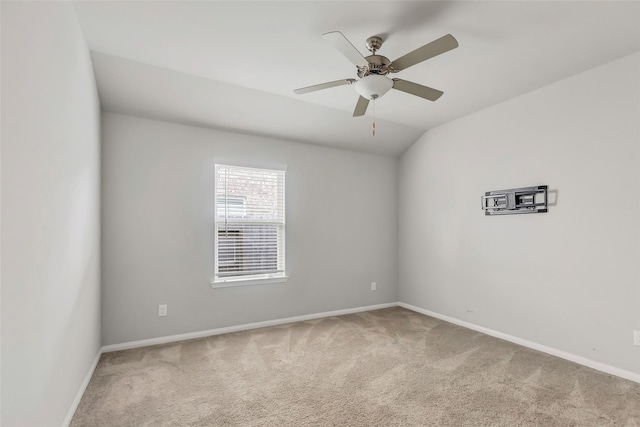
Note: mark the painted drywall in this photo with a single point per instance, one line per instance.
(567, 279)
(50, 213)
(157, 210)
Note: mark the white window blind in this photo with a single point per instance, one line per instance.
(249, 223)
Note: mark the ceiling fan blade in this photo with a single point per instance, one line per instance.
(323, 86)
(344, 46)
(361, 107)
(429, 50)
(417, 90)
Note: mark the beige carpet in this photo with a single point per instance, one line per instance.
(390, 367)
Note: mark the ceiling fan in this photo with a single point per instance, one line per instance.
(373, 69)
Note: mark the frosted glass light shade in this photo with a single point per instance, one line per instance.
(373, 86)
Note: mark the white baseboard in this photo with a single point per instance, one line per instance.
(245, 327)
(535, 346)
(83, 387)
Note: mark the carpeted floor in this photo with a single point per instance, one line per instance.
(390, 367)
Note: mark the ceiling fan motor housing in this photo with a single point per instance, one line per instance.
(378, 64)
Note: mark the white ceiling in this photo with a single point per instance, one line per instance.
(234, 65)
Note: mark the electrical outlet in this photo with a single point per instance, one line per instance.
(636, 337)
(374, 286)
(162, 310)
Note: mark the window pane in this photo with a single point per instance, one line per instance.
(250, 249)
(249, 222)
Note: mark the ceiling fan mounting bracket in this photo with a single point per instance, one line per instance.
(374, 43)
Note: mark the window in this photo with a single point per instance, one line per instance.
(249, 225)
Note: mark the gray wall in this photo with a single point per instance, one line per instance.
(568, 279)
(50, 213)
(158, 231)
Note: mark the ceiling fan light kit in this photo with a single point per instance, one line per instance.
(373, 69)
(373, 86)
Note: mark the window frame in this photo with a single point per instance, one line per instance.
(254, 279)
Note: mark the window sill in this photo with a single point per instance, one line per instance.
(248, 282)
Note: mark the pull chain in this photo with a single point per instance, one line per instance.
(373, 130)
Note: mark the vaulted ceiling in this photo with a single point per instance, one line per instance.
(234, 65)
